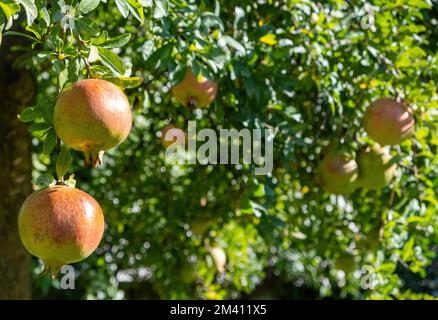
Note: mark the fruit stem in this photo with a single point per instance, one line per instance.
(193, 102)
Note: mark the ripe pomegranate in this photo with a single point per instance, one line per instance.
(60, 225)
(92, 116)
(171, 134)
(195, 92)
(375, 167)
(338, 173)
(388, 122)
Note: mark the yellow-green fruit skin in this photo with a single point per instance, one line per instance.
(92, 116)
(376, 169)
(338, 173)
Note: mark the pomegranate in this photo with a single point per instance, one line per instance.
(375, 167)
(388, 122)
(172, 134)
(195, 92)
(338, 173)
(60, 225)
(92, 116)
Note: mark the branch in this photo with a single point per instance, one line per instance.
(85, 59)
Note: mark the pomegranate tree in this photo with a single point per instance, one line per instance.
(60, 225)
(388, 122)
(195, 91)
(338, 173)
(376, 168)
(92, 116)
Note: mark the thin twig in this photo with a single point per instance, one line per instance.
(58, 141)
(414, 158)
(391, 198)
(85, 59)
(148, 83)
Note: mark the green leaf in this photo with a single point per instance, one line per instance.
(40, 126)
(29, 114)
(387, 267)
(147, 3)
(123, 7)
(16, 33)
(111, 60)
(35, 30)
(260, 191)
(45, 15)
(408, 250)
(63, 78)
(86, 6)
(45, 180)
(160, 10)
(49, 142)
(97, 69)
(63, 162)
(160, 54)
(179, 74)
(196, 68)
(125, 82)
(58, 66)
(100, 39)
(136, 9)
(3, 21)
(84, 25)
(42, 55)
(415, 219)
(47, 111)
(73, 70)
(116, 42)
(31, 10)
(9, 9)
(410, 58)
(234, 44)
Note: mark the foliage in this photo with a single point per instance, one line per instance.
(306, 69)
